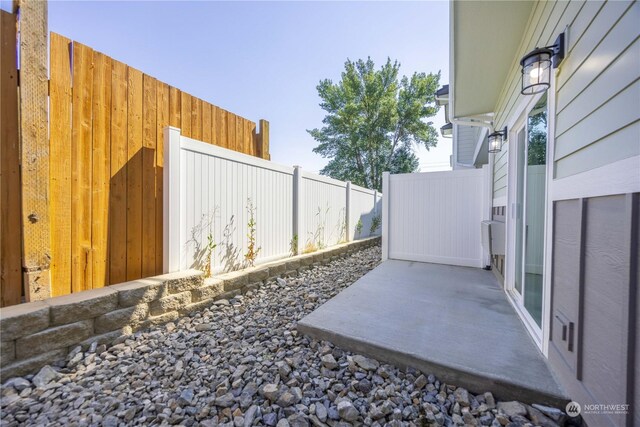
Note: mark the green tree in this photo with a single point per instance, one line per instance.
(375, 121)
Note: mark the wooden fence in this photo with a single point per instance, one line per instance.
(105, 160)
(10, 195)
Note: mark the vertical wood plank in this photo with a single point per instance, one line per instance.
(214, 125)
(231, 131)
(206, 123)
(185, 114)
(174, 107)
(163, 109)
(196, 118)
(222, 130)
(246, 137)
(101, 169)
(81, 160)
(149, 124)
(251, 137)
(118, 184)
(264, 140)
(36, 236)
(134, 174)
(239, 137)
(10, 194)
(60, 169)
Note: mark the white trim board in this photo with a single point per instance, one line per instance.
(500, 201)
(620, 177)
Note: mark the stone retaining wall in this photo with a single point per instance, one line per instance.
(42, 332)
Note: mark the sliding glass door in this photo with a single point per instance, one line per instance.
(529, 215)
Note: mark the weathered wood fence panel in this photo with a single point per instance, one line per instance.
(60, 170)
(107, 155)
(10, 201)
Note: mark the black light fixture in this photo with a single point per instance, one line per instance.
(447, 130)
(536, 66)
(496, 139)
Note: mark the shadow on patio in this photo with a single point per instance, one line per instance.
(454, 322)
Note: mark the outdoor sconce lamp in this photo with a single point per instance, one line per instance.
(536, 66)
(496, 139)
(447, 130)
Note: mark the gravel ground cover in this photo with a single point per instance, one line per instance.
(242, 363)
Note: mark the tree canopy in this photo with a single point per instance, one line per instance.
(375, 121)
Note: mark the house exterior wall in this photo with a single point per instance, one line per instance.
(467, 137)
(597, 87)
(594, 299)
(594, 123)
(500, 176)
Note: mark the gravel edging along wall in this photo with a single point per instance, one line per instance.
(42, 332)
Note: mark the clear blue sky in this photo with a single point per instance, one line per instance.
(264, 59)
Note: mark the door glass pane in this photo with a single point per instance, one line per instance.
(520, 167)
(536, 172)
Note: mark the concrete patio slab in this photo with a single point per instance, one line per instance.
(454, 322)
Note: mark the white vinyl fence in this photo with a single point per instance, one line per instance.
(211, 194)
(435, 217)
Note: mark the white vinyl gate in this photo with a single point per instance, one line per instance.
(436, 216)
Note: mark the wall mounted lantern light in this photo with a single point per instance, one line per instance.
(496, 139)
(536, 66)
(447, 130)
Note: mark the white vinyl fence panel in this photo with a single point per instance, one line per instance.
(209, 192)
(364, 208)
(435, 217)
(217, 192)
(324, 204)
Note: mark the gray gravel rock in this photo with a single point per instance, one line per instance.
(241, 362)
(366, 363)
(46, 375)
(226, 400)
(511, 409)
(462, 396)
(329, 362)
(347, 411)
(321, 412)
(270, 419)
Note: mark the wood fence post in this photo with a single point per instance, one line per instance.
(34, 148)
(10, 236)
(297, 207)
(263, 142)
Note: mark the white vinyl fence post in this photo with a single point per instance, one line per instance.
(297, 207)
(487, 201)
(171, 201)
(385, 215)
(375, 202)
(347, 223)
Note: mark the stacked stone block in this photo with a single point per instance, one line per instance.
(43, 332)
